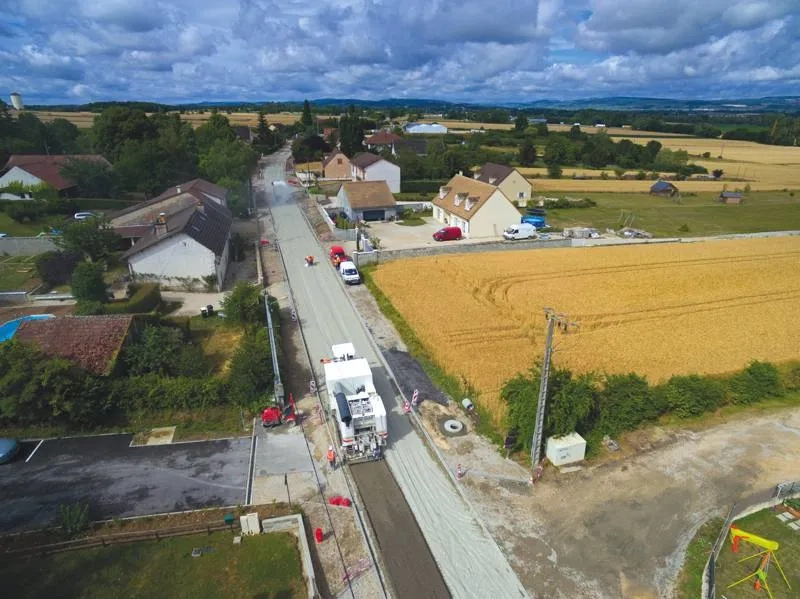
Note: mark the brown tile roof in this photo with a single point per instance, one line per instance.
(364, 159)
(382, 138)
(48, 168)
(476, 191)
(369, 194)
(92, 342)
(329, 158)
(498, 172)
(196, 190)
(209, 224)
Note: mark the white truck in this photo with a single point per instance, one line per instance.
(355, 405)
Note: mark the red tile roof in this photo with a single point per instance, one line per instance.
(92, 342)
(381, 138)
(48, 168)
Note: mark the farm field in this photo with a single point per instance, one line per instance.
(85, 119)
(702, 214)
(658, 310)
(262, 566)
(782, 179)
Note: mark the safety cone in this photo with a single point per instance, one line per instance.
(406, 406)
(459, 472)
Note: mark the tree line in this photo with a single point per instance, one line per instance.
(597, 405)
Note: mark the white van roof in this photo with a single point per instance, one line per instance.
(347, 264)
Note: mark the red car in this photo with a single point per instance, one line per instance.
(448, 234)
(337, 251)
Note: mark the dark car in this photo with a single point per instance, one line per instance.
(9, 448)
(448, 234)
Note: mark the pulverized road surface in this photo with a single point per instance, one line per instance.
(469, 560)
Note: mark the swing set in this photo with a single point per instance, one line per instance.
(766, 557)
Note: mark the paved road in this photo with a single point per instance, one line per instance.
(469, 559)
(117, 480)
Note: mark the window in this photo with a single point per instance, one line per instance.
(521, 195)
(338, 161)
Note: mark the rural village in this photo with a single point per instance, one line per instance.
(329, 349)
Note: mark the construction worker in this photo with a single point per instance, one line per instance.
(336, 262)
(331, 457)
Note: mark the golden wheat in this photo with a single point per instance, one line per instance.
(658, 310)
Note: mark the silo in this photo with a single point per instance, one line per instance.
(16, 101)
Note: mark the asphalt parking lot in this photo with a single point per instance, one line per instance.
(399, 237)
(117, 480)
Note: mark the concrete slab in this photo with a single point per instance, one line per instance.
(161, 436)
(302, 486)
(279, 451)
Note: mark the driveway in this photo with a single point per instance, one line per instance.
(117, 480)
(394, 236)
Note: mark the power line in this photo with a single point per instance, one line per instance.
(564, 325)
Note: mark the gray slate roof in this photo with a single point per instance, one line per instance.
(492, 170)
(365, 159)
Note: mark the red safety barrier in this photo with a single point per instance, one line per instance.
(318, 535)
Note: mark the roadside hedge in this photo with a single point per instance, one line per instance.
(146, 298)
(422, 185)
(151, 392)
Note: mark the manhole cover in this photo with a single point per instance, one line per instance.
(452, 427)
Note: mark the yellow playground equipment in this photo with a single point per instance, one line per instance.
(766, 555)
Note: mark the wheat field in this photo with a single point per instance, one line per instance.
(85, 120)
(658, 310)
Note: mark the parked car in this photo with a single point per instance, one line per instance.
(448, 234)
(533, 219)
(349, 273)
(337, 255)
(9, 448)
(84, 215)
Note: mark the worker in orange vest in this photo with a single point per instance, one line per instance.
(331, 457)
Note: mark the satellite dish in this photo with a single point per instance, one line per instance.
(16, 101)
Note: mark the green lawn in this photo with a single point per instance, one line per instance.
(14, 229)
(764, 524)
(17, 273)
(702, 214)
(266, 566)
(690, 580)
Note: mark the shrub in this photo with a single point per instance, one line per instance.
(554, 171)
(760, 380)
(251, 375)
(624, 402)
(87, 282)
(146, 298)
(26, 211)
(74, 518)
(55, 268)
(691, 395)
(422, 185)
(152, 392)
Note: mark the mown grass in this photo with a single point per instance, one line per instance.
(698, 215)
(14, 229)
(18, 273)
(690, 579)
(266, 566)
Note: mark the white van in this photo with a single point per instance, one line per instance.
(349, 273)
(520, 231)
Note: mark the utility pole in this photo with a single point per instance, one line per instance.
(563, 324)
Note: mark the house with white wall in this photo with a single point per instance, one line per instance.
(189, 245)
(42, 169)
(367, 201)
(479, 209)
(371, 167)
(510, 181)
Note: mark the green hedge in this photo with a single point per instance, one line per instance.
(422, 186)
(152, 392)
(145, 298)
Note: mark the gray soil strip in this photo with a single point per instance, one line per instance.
(411, 566)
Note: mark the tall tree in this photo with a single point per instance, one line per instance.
(527, 152)
(232, 159)
(88, 284)
(90, 238)
(118, 125)
(93, 179)
(244, 305)
(520, 123)
(217, 127)
(307, 118)
(351, 134)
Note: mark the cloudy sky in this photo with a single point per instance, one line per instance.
(461, 50)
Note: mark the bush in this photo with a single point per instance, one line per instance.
(55, 268)
(164, 350)
(691, 395)
(624, 402)
(760, 380)
(151, 392)
(87, 282)
(74, 519)
(26, 211)
(251, 374)
(146, 298)
(422, 186)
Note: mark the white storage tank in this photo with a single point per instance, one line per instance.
(565, 450)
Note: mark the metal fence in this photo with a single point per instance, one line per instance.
(761, 501)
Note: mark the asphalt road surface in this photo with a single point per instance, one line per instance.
(117, 480)
(469, 560)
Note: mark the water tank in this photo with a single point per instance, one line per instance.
(16, 101)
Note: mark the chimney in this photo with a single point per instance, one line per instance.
(161, 225)
(177, 189)
(476, 176)
(200, 208)
(443, 191)
(460, 173)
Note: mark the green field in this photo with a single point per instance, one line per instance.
(702, 214)
(266, 566)
(14, 229)
(764, 524)
(18, 273)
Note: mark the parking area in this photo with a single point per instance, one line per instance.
(117, 480)
(394, 236)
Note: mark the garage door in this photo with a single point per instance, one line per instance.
(371, 215)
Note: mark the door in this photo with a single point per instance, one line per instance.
(373, 215)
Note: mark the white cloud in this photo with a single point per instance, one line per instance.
(176, 50)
